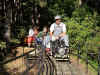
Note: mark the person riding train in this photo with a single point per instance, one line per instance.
(58, 30)
(44, 35)
(33, 32)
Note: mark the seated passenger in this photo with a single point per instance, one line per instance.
(44, 35)
(32, 34)
(58, 30)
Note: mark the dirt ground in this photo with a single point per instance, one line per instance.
(82, 66)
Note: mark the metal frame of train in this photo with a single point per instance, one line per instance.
(59, 50)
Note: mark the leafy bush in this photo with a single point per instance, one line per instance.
(83, 30)
(22, 33)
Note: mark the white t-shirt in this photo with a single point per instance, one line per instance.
(31, 32)
(63, 26)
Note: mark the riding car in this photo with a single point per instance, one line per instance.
(59, 50)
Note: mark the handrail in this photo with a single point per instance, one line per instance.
(87, 60)
(17, 57)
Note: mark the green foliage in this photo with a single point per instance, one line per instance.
(22, 33)
(2, 44)
(61, 7)
(16, 41)
(83, 30)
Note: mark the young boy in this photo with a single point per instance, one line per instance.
(44, 35)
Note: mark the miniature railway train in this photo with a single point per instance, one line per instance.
(57, 48)
(44, 60)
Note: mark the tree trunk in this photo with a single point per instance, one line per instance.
(80, 2)
(9, 19)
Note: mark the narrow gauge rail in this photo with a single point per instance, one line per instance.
(42, 63)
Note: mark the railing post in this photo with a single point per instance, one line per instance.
(87, 62)
(87, 59)
(78, 53)
(99, 62)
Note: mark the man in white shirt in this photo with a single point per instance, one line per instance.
(58, 30)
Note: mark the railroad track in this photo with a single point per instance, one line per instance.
(40, 65)
(47, 65)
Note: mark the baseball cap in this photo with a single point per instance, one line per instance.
(57, 17)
